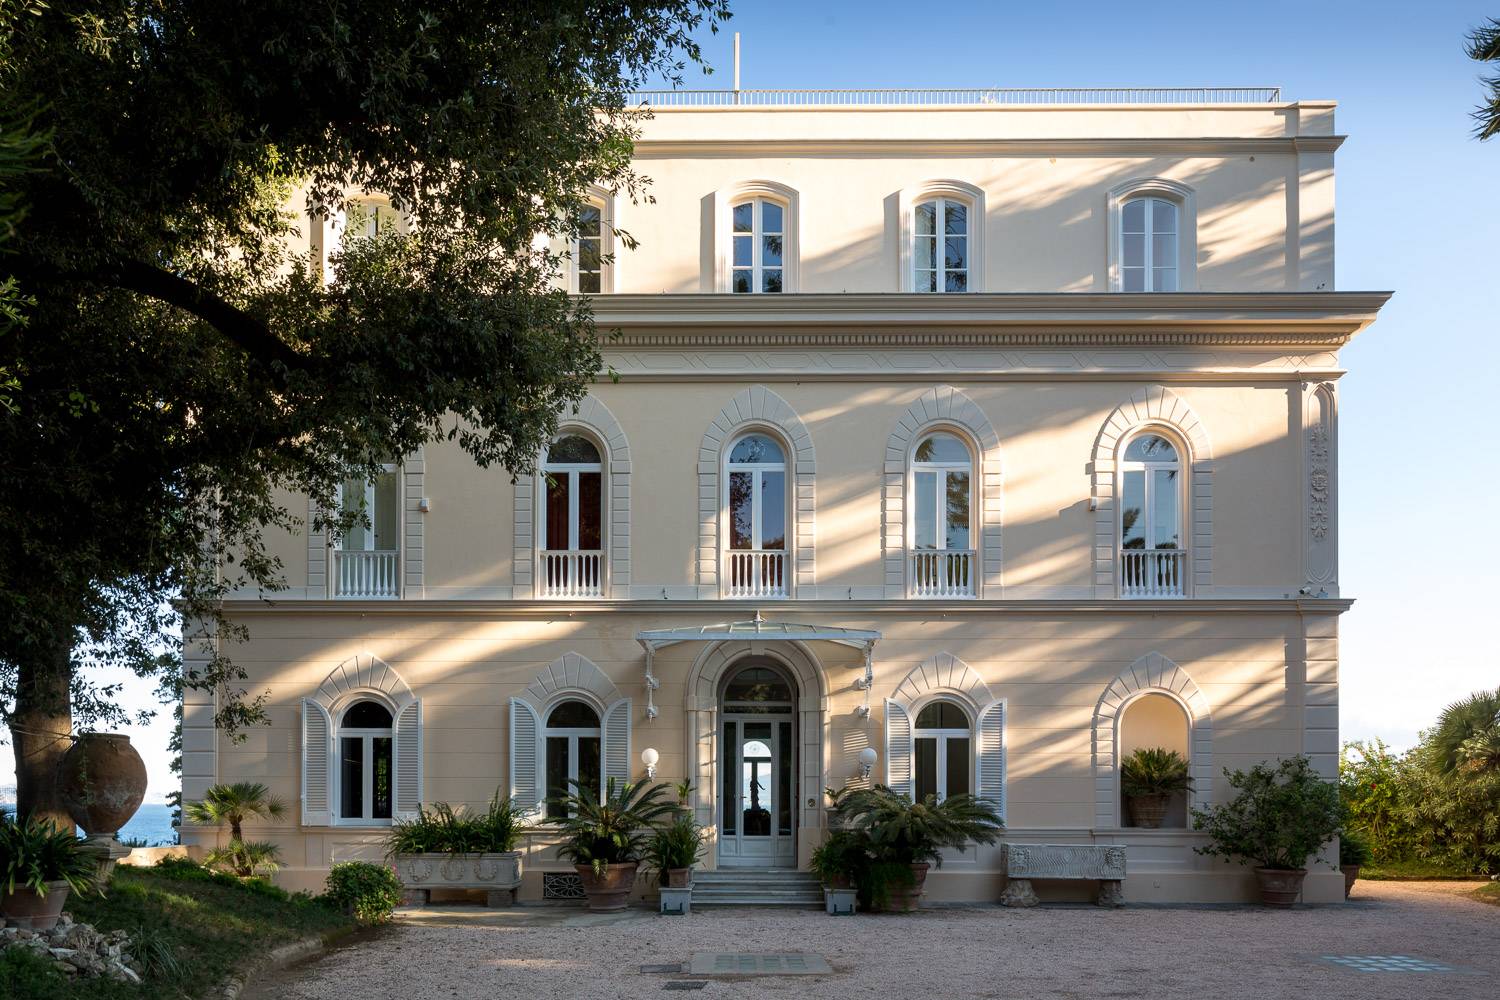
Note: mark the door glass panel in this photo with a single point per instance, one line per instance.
(958, 510)
(352, 495)
(588, 763)
(557, 775)
(773, 510)
(770, 217)
(784, 779)
(1165, 508)
(958, 767)
(741, 497)
(731, 799)
(1132, 528)
(926, 749)
(590, 511)
(352, 777)
(925, 527)
(386, 517)
(557, 510)
(380, 779)
(755, 779)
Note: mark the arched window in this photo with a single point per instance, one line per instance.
(572, 744)
(943, 751)
(366, 776)
(1148, 245)
(758, 234)
(369, 552)
(1154, 721)
(1151, 495)
(940, 245)
(756, 500)
(572, 528)
(942, 518)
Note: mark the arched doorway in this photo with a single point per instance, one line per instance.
(758, 766)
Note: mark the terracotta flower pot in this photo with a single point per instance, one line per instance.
(25, 909)
(1280, 887)
(102, 781)
(1146, 811)
(905, 899)
(611, 893)
(1351, 873)
(677, 878)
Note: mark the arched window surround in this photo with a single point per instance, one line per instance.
(1153, 673)
(907, 201)
(724, 201)
(604, 201)
(1157, 409)
(594, 421)
(745, 570)
(570, 677)
(942, 572)
(755, 409)
(363, 677)
(943, 408)
(946, 677)
(1176, 192)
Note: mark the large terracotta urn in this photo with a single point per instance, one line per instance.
(102, 781)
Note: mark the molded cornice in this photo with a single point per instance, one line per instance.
(647, 149)
(1299, 319)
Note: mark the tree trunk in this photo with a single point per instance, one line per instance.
(41, 729)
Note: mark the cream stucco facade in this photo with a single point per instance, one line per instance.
(1060, 643)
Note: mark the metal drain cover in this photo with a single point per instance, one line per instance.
(739, 963)
(1389, 963)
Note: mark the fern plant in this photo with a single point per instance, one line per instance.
(1154, 771)
(615, 829)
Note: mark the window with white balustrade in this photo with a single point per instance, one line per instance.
(366, 774)
(940, 245)
(1148, 245)
(1152, 491)
(368, 557)
(941, 518)
(758, 246)
(756, 504)
(942, 751)
(572, 521)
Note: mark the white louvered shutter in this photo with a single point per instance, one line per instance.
(317, 765)
(527, 787)
(991, 757)
(898, 772)
(617, 743)
(408, 761)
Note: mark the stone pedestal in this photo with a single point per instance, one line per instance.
(1018, 892)
(109, 851)
(840, 902)
(1111, 893)
(676, 902)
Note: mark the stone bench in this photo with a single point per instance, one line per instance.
(497, 875)
(1024, 862)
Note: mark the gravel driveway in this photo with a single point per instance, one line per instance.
(1155, 952)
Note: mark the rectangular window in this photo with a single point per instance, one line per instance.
(558, 484)
(772, 510)
(589, 772)
(926, 768)
(351, 777)
(958, 509)
(380, 778)
(958, 766)
(925, 523)
(785, 779)
(730, 777)
(1164, 502)
(1132, 506)
(557, 776)
(741, 509)
(590, 511)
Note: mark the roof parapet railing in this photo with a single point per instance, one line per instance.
(999, 97)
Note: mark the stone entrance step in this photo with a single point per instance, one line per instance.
(757, 887)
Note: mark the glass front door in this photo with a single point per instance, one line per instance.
(757, 776)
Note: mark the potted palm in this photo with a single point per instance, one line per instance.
(905, 838)
(606, 837)
(233, 805)
(1354, 854)
(447, 848)
(838, 862)
(673, 850)
(1281, 815)
(1149, 778)
(39, 866)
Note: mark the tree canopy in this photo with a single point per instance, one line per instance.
(184, 365)
(1484, 46)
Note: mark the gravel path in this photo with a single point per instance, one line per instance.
(1190, 952)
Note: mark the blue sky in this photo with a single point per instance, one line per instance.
(1417, 213)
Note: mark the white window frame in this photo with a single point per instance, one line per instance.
(1162, 188)
(940, 258)
(571, 470)
(367, 757)
(573, 734)
(950, 190)
(369, 508)
(1149, 493)
(942, 736)
(758, 469)
(604, 202)
(1150, 266)
(757, 235)
(720, 274)
(942, 470)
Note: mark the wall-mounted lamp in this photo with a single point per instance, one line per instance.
(425, 505)
(867, 759)
(649, 757)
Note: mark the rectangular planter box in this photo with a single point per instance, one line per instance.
(676, 902)
(499, 875)
(840, 902)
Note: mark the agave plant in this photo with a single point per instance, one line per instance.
(1154, 771)
(615, 829)
(904, 832)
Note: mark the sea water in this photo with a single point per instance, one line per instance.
(151, 824)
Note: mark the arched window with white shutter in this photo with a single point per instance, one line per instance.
(361, 747)
(570, 723)
(945, 734)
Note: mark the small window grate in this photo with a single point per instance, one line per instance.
(562, 885)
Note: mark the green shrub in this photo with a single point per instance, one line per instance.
(843, 855)
(34, 853)
(443, 829)
(676, 845)
(1154, 771)
(1283, 814)
(1354, 850)
(1373, 783)
(370, 892)
(26, 974)
(611, 831)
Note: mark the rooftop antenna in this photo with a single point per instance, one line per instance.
(736, 67)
